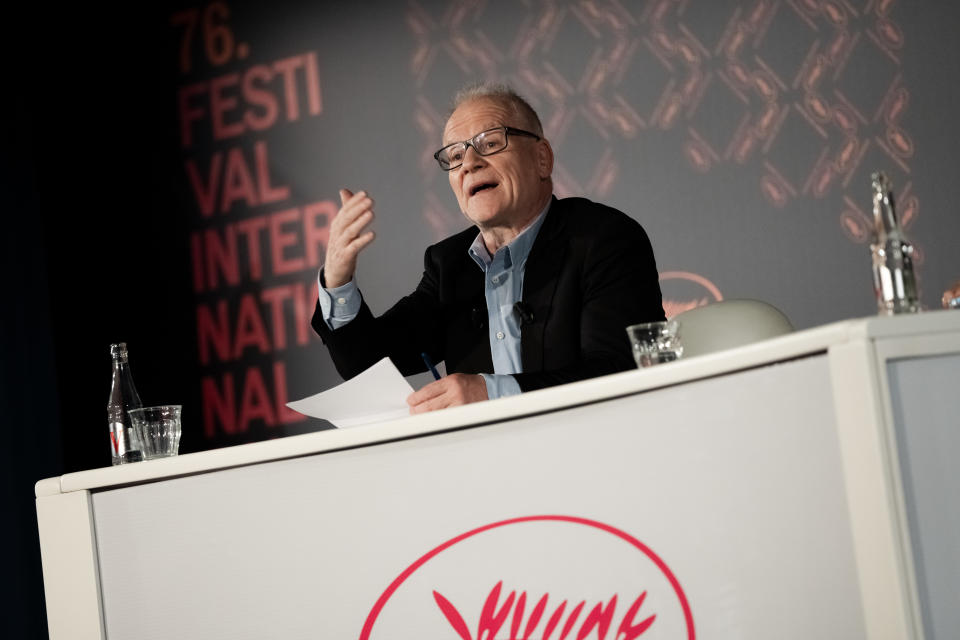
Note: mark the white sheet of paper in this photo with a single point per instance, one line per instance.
(376, 395)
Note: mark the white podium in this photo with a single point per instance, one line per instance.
(802, 487)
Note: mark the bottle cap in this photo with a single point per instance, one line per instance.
(118, 350)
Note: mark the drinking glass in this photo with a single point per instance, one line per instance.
(158, 429)
(655, 342)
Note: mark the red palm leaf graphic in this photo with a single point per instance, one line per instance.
(453, 616)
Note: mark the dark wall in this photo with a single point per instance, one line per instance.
(28, 386)
(82, 256)
(740, 134)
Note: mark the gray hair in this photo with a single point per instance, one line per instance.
(505, 95)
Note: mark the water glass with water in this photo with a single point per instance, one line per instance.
(655, 342)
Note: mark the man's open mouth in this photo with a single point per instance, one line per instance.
(483, 186)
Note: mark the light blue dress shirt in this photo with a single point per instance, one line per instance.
(503, 288)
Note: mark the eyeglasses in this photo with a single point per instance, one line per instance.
(485, 143)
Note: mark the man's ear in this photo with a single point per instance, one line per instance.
(544, 159)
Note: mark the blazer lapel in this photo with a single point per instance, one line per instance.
(540, 283)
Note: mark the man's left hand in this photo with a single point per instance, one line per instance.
(451, 391)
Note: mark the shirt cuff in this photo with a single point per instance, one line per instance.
(501, 385)
(339, 305)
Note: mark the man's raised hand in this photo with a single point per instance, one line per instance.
(347, 237)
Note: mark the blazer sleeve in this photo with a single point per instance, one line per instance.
(407, 329)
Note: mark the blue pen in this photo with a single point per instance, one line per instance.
(427, 361)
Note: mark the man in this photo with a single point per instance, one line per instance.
(537, 293)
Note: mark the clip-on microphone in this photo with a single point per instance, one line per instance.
(525, 312)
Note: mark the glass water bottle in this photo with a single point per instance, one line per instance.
(124, 443)
(894, 282)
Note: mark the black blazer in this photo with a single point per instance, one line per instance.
(590, 274)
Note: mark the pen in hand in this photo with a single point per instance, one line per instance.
(427, 361)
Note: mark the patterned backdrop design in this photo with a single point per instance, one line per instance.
(805, 97)
(740, 133)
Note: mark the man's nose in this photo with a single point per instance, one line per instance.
(472, 159)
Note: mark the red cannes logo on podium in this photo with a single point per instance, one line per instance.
(577, 578)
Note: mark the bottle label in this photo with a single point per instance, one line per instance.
(123, 443)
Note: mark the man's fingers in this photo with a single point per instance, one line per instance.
(348, 249)
(356, 226)
(425, 407)
(351, 210)
(358, 243)
(456, 389)
(432, 390)
(441, 401)
(346, 236)
(348, 225)
(350, 222)
(345, 194)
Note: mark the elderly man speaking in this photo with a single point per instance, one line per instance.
(536, 293)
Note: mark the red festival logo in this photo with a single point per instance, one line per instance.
(584, 578)
(683, 291)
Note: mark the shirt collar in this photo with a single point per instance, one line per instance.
(516, 251)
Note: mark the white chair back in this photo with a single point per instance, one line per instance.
(728, 324)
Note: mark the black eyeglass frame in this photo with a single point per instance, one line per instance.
(507, 132)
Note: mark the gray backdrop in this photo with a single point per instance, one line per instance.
(740, 134)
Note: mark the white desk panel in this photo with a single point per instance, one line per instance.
(732, 483)
(733, 489)
(926, 417)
